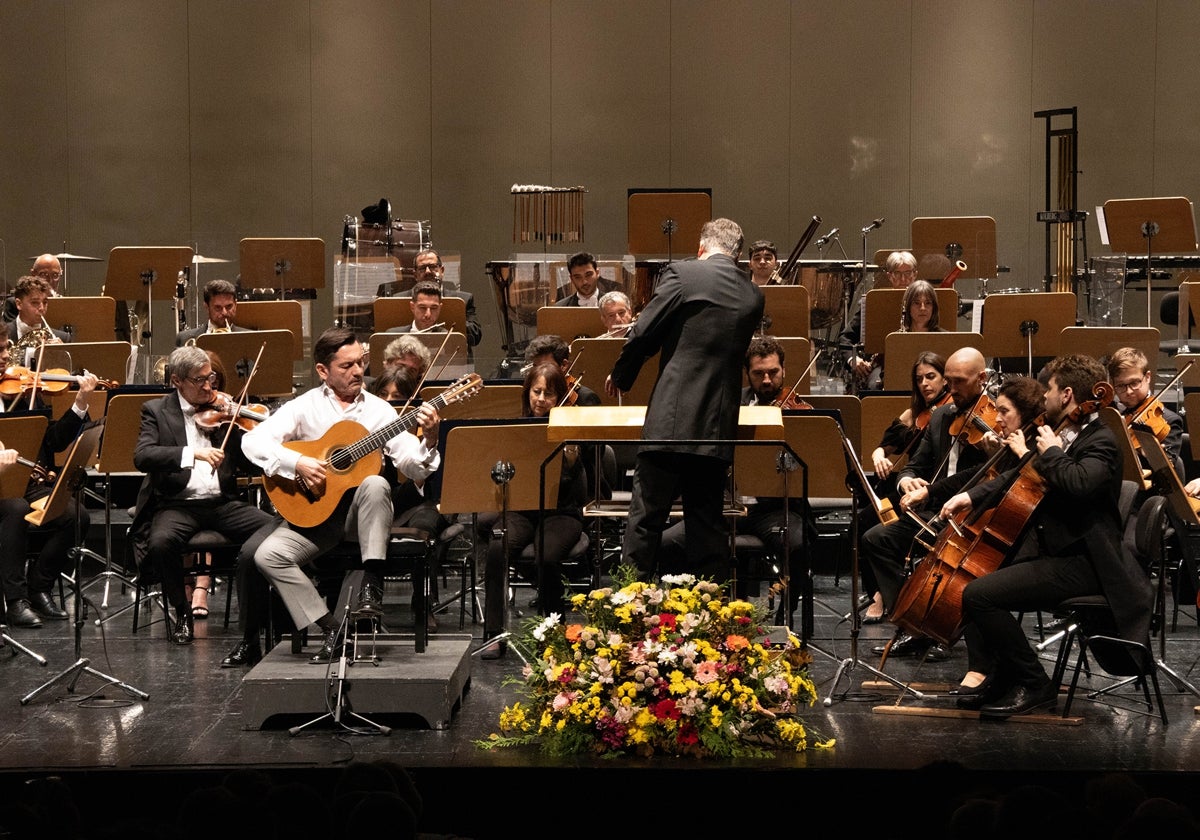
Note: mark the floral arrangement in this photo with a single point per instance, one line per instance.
(659, 668)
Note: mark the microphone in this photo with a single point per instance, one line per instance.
(873, 225)
(821, 240)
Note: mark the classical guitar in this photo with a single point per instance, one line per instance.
(350, 455)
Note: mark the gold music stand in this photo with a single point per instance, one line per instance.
(106, 359)
(238, 351)
(939, 242)
(594, 359)
(282, 263)
(262, 315)
(1027, 325)
(83, 318)
(1144, 225)
(882, 314)
(1099, 342)
(787, 309)
(495, 469)
(904, 347)
(848, 406)
(145, 274)
(570, 322)
(70, 485)
(396, 312)
(878, 411)
(666, 221)
(1191, 379)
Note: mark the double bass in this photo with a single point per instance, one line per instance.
(977, 543)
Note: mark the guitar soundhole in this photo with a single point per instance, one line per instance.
(339, 460)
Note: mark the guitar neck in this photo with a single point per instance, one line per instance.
(379, 437)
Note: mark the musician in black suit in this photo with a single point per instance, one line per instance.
(190, 486)
(30, 296)
(27, 591)
(427, 266)
(425, 303)
(700, 320)
(588, 284)
(220, 301)
(939, 454)
(1077, 530)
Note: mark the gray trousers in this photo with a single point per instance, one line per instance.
(364, 517)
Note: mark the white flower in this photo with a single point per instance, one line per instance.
(679, 580)
(548, 623)
(622, 597)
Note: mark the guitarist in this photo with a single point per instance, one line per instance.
(364, 515)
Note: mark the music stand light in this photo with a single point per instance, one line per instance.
(71, 484)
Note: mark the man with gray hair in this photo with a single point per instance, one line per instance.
(700, 321)
(407, 351)
(616, 311)
(191, 486)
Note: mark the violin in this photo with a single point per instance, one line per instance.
(964, 425)
(17, 379)
(1149, 413)
(792, 402)
(572, 395)
(220, 411)
(922, 419)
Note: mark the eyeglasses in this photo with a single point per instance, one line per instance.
(1130, 385)
(904, 272)
(199, 381)
(50, 275)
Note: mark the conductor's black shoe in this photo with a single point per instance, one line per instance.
(1021, 700)
(244, 655)
(184, 630)
(43, 604)
(370, 600)
(20, 615)
(330, 647)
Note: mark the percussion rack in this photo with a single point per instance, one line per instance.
(547, 214)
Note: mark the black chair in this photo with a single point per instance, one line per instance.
(216, 556)
(1092, 625)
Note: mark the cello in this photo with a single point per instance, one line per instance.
(977, 543)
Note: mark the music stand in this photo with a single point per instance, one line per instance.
(494, 402)
(148, 274)
(83, 318)
(496, 469)
(71, 484)
(1010, 330)
(24, 434)
(1099, 342)
(879, 410)
(904, 347)
(882, 313)
(263, 315)
(397, 312)
(450, 363)
(238, 350)
(657, 218)
(106, 359)
(1163, 223)
(282, 264)
(787, 309)
(971, 239)
(798, 350)
(570, 322)
(594, 359)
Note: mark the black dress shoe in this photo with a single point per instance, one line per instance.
(20, 615)
(1021, 700)
(987, 692)
(244, 655)
(330, 648)
(910, 645)
(370, 600)
(43, 604)
(184, 630)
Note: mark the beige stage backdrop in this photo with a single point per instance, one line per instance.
(200, 122)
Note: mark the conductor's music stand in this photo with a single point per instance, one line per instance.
(83, 318)
(658, 219)
(24, 434)
(1026, 324)
(238, 350)
(496, 469)
(971, 239)
(1144, 224)
(282, 264)
(70, 484)
(148, 274)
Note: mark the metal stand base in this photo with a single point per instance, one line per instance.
(851, 662)
(8, 641)
(341, 706)
(73, 673)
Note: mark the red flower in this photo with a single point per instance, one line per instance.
(687, 734)
(666, 621)
(665, 709)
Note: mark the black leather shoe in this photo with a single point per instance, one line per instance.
(937, 653)
(244, 655)
(330, 648)
(184, 630)
(1021, 700)
(20, 615)
(43, 604)
(370, 600)
(987, 692)
(909, 645)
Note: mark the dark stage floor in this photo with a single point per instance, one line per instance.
(127, 758)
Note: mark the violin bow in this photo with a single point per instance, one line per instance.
(425, 375)
(241, 400)
(37, 374)
(574, 387)
(811, 362)
(1138, 416)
